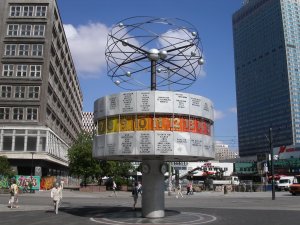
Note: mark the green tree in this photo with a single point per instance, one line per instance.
(122, 168)
(5, 168)
(116, 170)
(81, 161)
(82, 164)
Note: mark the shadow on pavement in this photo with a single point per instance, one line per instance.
(110, 212)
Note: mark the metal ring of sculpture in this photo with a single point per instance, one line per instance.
(168, 48)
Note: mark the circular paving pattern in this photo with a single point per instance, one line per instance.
(172, 217)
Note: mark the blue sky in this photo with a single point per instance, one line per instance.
(88, 22)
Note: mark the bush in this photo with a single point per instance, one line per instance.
(119, 182)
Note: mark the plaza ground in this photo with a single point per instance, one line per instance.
(203, 207)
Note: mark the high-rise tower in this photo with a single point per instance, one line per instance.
(40, 96)
(267, 64)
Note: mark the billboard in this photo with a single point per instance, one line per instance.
(287, 152)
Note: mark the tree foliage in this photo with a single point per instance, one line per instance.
(118, 171)
(115, 168)
(81, 161)
(5, 168)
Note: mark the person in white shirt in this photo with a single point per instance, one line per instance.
(179, 192)
(56, 195)
(114, 188)
(14, 192)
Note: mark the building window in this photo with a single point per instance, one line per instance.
(35, 70)
(12, 29)
(42, 144)
(15, 11)
(41, 11)
(21, 70)
(34, 92)
(25, 30)
(37, 50)
(18, 113)
(32, 113)
(39, 30)
(10, 49)
(19, 92)
(31, 143)
(7, 143)
(8, 70)
(28, 10)
(19, 143)
(23, 50)
(4, 113)
(5, 91)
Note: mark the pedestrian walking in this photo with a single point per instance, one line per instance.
(56, 195)
(140, 188)
(114, 188)
(189, 188)
(135, 194)
(14, 194)
(178, 191)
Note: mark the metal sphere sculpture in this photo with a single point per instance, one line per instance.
(170, 49)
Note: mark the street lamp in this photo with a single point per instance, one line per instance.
(272, 162)
(170, 179)
(31, 173)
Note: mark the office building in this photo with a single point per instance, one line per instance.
(267, 64)
(40, 96)
(88, 124)
(223, 152)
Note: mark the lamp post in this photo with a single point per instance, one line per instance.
(170, 179)
(272, 162)
(31, 173)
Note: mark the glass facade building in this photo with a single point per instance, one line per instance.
(267, 63)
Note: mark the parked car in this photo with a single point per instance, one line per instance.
(295, 187)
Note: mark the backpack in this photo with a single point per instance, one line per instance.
(134, 191)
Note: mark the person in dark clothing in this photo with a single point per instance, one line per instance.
(135, 194)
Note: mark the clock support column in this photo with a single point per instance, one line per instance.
(153, 198)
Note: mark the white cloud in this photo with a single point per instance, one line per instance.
(219, 142)
(218, 114)
(120, 52)
(233, 110)
(177, 39)
(87, 44)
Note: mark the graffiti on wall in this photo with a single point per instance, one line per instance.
(47, 182)
(28, 182)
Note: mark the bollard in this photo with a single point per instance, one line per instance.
(225, 189)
